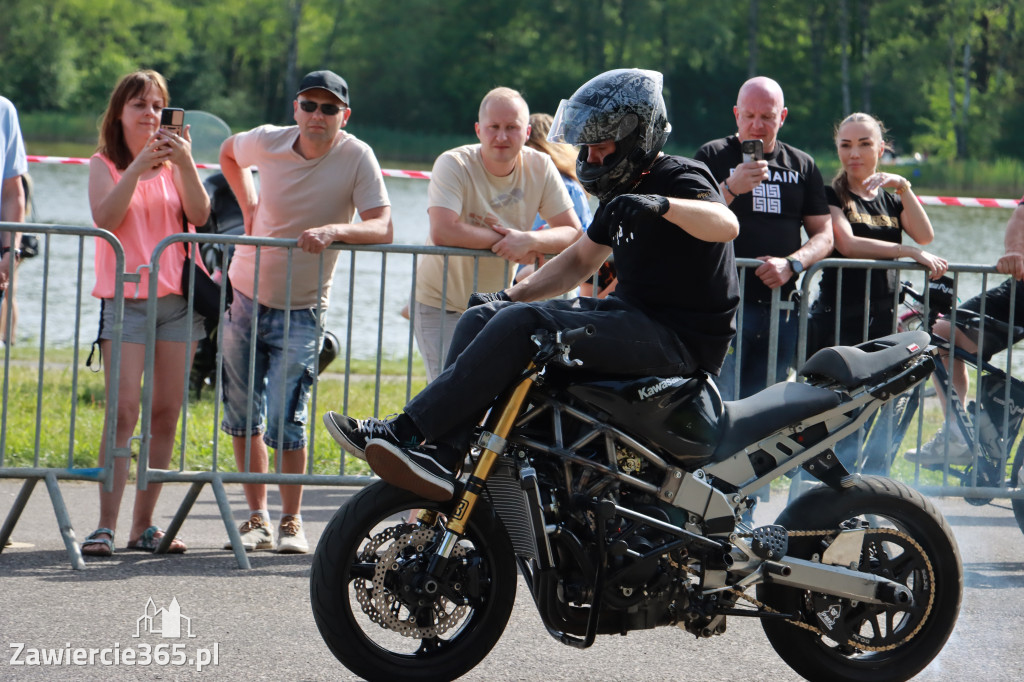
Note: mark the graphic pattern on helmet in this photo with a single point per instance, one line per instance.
(624, 105)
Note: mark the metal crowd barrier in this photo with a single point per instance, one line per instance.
(369, 290)
(968, 281)
(360, 279)
(22, 447)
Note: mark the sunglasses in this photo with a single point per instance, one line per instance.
(328, 109)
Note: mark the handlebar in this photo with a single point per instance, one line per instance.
(571, 336)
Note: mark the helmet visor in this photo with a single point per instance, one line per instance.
(577, 124)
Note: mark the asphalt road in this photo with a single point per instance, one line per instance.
(259, 625)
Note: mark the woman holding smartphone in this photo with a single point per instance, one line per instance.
(867, 222)
(142, 181)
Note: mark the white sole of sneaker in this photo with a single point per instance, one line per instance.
(251, 548)
(292, 549)
(394, 466)
(339, 436)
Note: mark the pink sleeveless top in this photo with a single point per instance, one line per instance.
(154, 213)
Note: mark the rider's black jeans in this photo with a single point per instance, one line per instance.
(492, 346)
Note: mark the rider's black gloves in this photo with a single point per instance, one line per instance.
(626, 208)
(479, 298)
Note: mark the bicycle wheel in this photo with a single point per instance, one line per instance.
(912, 321)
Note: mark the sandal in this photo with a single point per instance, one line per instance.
(150, 540)
(94, 545)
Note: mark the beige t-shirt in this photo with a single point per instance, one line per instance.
(295, 195)
(460, 182)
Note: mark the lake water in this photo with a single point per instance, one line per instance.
(963, 235)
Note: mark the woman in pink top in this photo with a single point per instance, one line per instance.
(141, 181)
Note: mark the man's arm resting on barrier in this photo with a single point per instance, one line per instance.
(1012, 262)
(376, 228)
(564, 272)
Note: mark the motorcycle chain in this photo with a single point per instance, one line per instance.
(382, 606)
(857, 645)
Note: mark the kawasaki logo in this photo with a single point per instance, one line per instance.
(647, 391)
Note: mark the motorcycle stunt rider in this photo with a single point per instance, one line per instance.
(672, 313)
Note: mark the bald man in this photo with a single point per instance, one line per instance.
(772, 198)
(486, 196)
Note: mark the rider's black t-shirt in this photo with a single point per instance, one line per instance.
(683, 282)
(771, 215)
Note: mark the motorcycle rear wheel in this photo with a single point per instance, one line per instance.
(365, 572)
(912, 636)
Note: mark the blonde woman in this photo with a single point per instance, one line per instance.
(564, 158)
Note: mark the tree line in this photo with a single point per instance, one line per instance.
(940, 73)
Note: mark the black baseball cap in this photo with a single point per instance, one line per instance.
(325, 80)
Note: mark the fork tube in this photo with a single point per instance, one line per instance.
(474, 486)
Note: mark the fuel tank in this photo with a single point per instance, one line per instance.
(678, 414)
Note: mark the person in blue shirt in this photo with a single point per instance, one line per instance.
(564, 157)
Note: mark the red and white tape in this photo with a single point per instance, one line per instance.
(70, 161)
(970, 202)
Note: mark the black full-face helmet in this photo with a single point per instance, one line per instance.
(624, 105)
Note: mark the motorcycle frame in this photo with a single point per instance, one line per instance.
(689, 490)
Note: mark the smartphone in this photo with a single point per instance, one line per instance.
(753, 150)
(173, 120)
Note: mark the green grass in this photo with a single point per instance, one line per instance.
(53, 436)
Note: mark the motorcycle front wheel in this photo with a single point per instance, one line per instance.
(869, 643)
(375, 606)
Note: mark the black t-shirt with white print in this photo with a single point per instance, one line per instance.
(771, 215)
(687, 284)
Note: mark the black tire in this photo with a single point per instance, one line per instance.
(916, 633)
(1017, 481)
(346, 567)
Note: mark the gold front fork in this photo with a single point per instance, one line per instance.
(488, 456)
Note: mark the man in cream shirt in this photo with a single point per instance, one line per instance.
(314, 179)
(486, 196)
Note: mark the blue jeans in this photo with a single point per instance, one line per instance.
(754, 349)
(282, 375)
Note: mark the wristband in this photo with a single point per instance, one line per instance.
(729, 189)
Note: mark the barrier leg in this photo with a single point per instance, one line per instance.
(179, 517)
(19, 506)
(229, 523)
(67, 532)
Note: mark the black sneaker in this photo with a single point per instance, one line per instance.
(415, 468)
(353, 434)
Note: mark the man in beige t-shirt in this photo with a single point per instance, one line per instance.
(486, 196)
(314, 179)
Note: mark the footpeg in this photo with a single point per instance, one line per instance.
(770, 542)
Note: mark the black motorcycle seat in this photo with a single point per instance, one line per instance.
(868, 362)
(747, 421)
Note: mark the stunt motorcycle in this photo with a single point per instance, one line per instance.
(623, 505)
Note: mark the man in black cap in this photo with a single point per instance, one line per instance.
(314, 178)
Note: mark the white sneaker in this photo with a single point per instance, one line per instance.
(290, 537)
(255, 535)
(934, 451)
